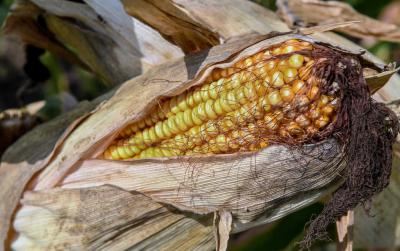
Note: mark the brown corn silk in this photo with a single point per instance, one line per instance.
(271, 97)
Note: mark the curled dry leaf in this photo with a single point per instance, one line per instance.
(297, 12)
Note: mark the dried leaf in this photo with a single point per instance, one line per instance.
(173, 24)
(297, 12)
(122, 221)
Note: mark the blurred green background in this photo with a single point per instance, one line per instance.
(67, 84)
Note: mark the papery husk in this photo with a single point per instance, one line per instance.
(255, 189)
(129, 103)
(127, 220)
(297, 12)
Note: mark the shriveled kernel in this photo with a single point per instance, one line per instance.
(301, 102)
(294, 129)
(302, 121)
(322, 121)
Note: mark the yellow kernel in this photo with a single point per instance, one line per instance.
(323, 100)
(282, 65)
(218, 108)
(240, 96)
(250, 91)
(286, 93)
(277, 51)
(289, 74)
(277, 79)
(231, 99)
(158, 152)
(152, 134)
(190, 99)
(314, 113)
(211, 114)
(313, 92)
(289, 49)
(173, 127)
(270, 65)
(274, 98)
(196, 117)
(264, 103)
(322, 121)
(222, 143)
(299, 87)
(173, 105)
(166, 129)
(197, 96)
(134, 149)
(248, 62)
(263, 144)
(260, 89)
(187, 118)
(181, 101)
(180, 121)
(211, 129)
(296, 61)
(122, 153)
(223, 102)
(204, 93)
(328, 110)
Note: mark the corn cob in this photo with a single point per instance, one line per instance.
(270, 97)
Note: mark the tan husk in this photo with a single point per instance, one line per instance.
(197, 184)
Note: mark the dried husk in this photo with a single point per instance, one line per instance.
(64, 162)
(297, 13)
(271, 183)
